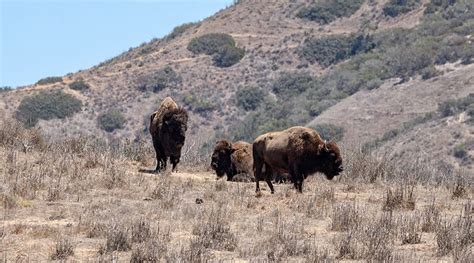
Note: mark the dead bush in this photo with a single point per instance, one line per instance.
(317, 255)
(409, 229)
(346, 246)
(377, 238)
(288, 239)
(166, 193)
(344, 217)
(140, 230)
(114, 177)
(400, 198)
(456, 236)
(430, 218)
(214, 231)
(362, 166)
(459, 188)
(194, 253)
(149, 251)
(320, 203)
(8, 201)
(64, 249)
(118, 239)
(371, 240)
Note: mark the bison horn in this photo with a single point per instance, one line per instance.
(326, 145)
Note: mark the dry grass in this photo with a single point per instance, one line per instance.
(81, 199)
(64, 249)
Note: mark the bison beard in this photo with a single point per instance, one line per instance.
(298, 150)
(168, 127)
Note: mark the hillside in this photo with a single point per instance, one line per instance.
(313, 63)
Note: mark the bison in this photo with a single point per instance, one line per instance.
(235, 160)
(298, 150)
(168, 127)
(232, 159)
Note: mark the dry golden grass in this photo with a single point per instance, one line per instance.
(82, 199)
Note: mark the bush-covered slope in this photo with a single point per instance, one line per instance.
(298, 69)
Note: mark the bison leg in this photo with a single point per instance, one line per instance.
(297, 178)
(159, 155)
(174, 161)
(268, 177)
(300, 184)
(164, 162)
(257, 166)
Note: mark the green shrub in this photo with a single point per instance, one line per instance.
(291, 84)
(47, 105)
(408, 60)
(325, 12)
(5, 89)
(210, 44)
(228, 56)
(199, 105)
(460, 151)
(79, 85)
(451, 107)
(163, 78)
(220, 46)
(396, 7)
(438, 5)
(179, 30)
(329, 131)
(249, 98)
(429, 72)
(49, 80)
(111, 120)
(332, 49)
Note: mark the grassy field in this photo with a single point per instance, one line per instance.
(81, 199)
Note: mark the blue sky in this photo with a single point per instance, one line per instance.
(53, 38)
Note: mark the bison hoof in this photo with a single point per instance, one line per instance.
(329, 177)
(258, 194)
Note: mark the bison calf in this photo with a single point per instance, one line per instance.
(298, 150)
(168, 127)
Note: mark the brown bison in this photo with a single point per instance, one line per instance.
(232, 159)
(235, 160)
(168, 127)
(298, 150)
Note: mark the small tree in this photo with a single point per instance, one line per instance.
(396, 7)
(249, 98)
(49, 80)
(79, 85)
(228, 56)
(220, 46)
(111, 120)
(210, 43)
(47, 105)
(163, 78)
(324, 12)
(179, 30)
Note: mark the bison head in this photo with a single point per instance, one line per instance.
(174, 129)
(332, 160)
(221, 160)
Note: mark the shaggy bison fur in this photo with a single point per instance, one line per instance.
(298, 150)
(168, 127)
(233, 160)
